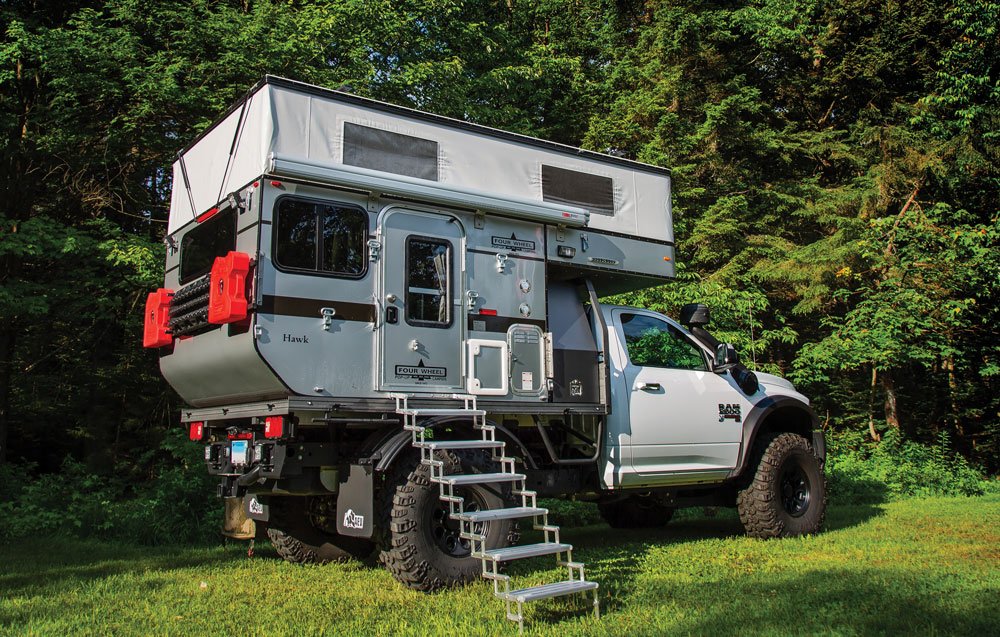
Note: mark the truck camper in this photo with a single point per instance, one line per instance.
(387, 329)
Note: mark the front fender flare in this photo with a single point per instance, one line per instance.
(754, 422)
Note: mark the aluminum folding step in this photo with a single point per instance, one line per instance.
(480, 478)
(545, 591)
(525, 551)
(459, 444)
(490, 515)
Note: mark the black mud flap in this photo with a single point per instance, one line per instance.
(256, 509)
(356, 502)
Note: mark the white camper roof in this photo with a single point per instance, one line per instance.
(298, 122)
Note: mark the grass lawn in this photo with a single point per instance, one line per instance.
(917, 567)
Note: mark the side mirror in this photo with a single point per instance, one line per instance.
(725, 358)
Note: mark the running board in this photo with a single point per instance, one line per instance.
(471, 522)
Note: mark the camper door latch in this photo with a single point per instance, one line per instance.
(374, 249)
(471, 297)
(328, 314)
(501, 262)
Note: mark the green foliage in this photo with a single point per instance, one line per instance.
(867, 473)
(175, 504)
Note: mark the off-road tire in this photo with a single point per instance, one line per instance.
(636, 512)
(409, 533)
(786, 495)
(297, 540)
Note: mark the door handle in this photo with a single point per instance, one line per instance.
(650, 386)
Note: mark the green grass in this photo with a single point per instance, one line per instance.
(916, 567)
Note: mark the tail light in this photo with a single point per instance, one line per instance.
(227, 296)
(274, 427)
(156, 331)
(197, 431)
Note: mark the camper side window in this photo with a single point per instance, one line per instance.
(320, 237)
(428, 279)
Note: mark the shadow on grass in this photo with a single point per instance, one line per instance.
(64, 562)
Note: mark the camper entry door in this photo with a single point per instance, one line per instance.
(423, 318)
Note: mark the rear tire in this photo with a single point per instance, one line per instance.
(419, 542)
(787, 493)
(636, 512)
(300, 532)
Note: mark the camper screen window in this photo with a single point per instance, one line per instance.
(215, 237)
(427, 280)
(321, 237)
(390, 152)
(591, 192)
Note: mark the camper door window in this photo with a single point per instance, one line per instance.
(321, 237)
(428, 278)
(215, 237)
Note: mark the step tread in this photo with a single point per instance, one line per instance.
(549, 590)
(460, 444)
(481, 478)
(525, 551)
(501, 514)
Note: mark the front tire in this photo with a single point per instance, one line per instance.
(302, 531)
(787, 493)
(420, 544)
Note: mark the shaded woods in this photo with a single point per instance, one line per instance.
(836, 179)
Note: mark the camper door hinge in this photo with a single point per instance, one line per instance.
(374, 249)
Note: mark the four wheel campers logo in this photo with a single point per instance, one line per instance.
(513, 243)
(730, 412)
(421, 371)
(353, 521)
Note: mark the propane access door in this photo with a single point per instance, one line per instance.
(423, 322)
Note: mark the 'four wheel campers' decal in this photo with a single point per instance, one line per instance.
(421, 372)
(513, 243)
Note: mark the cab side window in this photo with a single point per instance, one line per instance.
(321, 237)
(655, 343)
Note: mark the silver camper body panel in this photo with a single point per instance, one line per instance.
(450, 293)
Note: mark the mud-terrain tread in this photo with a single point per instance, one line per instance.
(395, 506)
(760, 512)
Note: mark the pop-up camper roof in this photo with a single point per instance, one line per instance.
(295, 126)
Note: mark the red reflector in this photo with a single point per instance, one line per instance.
(156, 330)
(274, 427)
(256, 184)
(486, 312)
(276, 184)
(208, 214)
(246, 435)
(197, 431)
(567, 214)
(227, 296)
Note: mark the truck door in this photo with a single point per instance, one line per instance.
(423, 320)
(683, 417)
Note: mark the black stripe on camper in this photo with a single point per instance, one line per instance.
(312, 308)
(488, 323)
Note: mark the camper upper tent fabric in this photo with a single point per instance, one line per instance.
(300, 121)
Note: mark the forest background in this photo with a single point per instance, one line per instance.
(836, 178)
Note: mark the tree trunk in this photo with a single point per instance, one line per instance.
(871, 407)
(6, 354)
(891, 406)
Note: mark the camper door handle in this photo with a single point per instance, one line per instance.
(650, 386)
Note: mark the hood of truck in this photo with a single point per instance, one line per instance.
(774, 381)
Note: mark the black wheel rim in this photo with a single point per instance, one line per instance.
(446, 532)
(794, 489)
